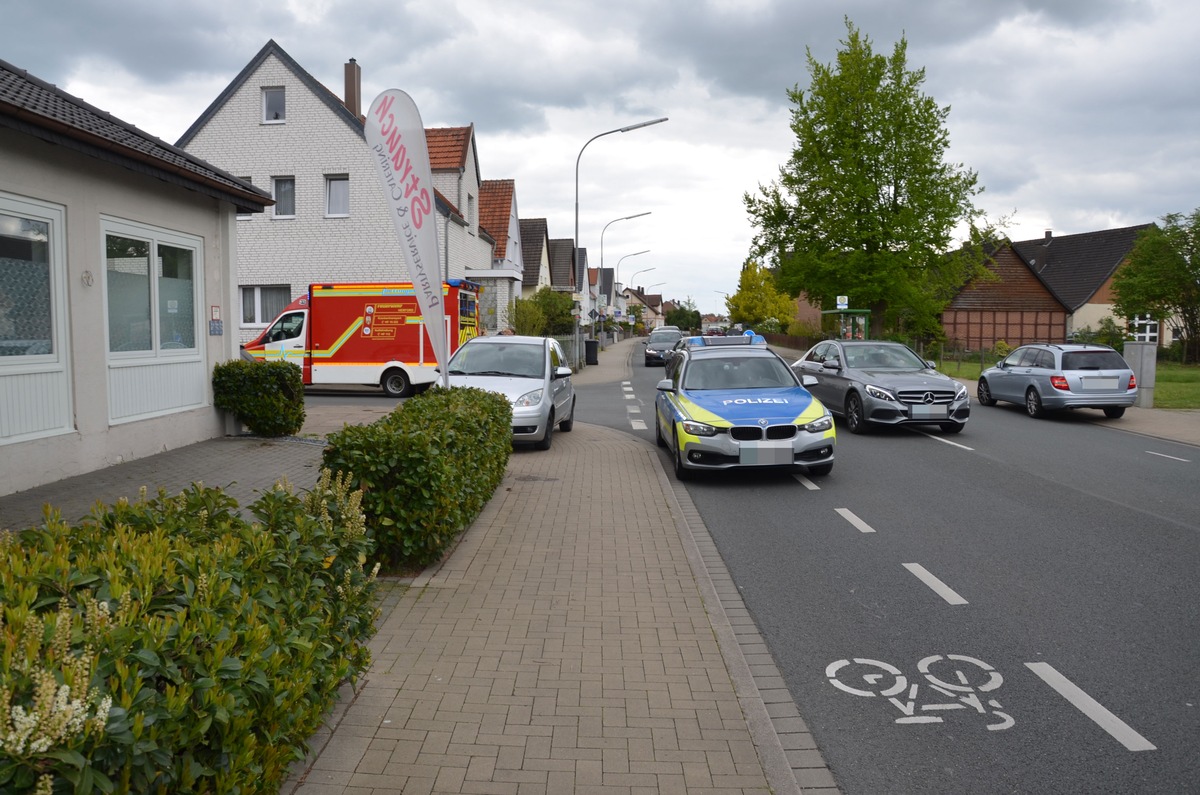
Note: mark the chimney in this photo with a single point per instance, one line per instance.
(354, 88)
(1049, 237)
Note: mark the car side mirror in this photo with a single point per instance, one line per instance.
(931, 364)
(832, 364)
(562, 372)
(808, 380)
(666, 385)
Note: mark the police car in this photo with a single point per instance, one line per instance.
(731, 402)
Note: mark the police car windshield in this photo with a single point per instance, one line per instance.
(733, 372)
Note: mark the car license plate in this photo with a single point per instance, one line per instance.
(924, 412)
(1099, 384)
(757, 454)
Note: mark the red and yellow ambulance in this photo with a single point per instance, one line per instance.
(366, 334)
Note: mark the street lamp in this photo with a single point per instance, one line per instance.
(612, 296)
(580, 276)
(638, 273)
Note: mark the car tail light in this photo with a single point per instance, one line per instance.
(1060, 382)
(1132, 381)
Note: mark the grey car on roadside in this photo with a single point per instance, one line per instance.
(1045, 377)
(874, 382)
(531, 372)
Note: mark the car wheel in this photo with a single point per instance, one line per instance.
(658, 436)
(396, 384)
(983, 394)
(952, 427)
(1114, 412)
(544, 444)
(820, 470)
(1033, 403)
(855, 421)
(681, 472)
(566, 425)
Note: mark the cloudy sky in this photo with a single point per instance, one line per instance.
(1078, 115)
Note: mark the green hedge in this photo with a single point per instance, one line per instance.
(267, 397)
(426, 470)
(170, 646)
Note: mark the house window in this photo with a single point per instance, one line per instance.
(284, 191)
(151, 289)
(244, 216)
(470, 212)
(274, 104)
(261, 305)
(337, 196)
(27, 296)
(1144, 328)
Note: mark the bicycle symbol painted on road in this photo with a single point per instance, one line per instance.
(956, 676)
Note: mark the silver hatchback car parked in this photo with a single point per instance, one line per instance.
(530, 372)
(1046, 377)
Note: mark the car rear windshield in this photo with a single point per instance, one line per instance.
(1093, 360)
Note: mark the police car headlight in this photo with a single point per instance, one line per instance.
(817, 426)
(698, 428)
(528, 399)
(879, 392)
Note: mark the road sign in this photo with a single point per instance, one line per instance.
(843, 302)
(592, 314)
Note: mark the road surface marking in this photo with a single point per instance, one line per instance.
(1164, 455)
(1120, 731)
(637, 425)
(937, 586)
(806, 483)
(944, 440)
(849, 516)
(633, 409)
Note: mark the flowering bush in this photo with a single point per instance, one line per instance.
(170, 645)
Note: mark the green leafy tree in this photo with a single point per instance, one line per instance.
(867, 205)
(759, 304)
(556, 307)
(1162, 278)
(685, 315)
(527, 317)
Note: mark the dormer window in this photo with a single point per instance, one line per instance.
(274, 106)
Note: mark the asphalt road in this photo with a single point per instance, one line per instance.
(1011, 609)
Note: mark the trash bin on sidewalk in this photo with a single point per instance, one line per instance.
(591, 351)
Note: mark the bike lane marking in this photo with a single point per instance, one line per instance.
(936, 585)
(806, 483)
(849, 516)
(1116, 727)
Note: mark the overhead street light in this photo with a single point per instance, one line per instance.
(613, 295)
(580, 276)
(638, 273)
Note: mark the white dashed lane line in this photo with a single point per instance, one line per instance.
(937, 586)
(849, 516)
(1120, 730)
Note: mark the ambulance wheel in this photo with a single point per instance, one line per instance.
(396, 384)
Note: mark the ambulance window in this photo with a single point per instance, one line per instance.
(287, 327)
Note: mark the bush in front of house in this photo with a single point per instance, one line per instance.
(426, 469)
(266, 397)
(169, 645)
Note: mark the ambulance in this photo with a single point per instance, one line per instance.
(369, 334)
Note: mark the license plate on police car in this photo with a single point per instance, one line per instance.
(758, 454)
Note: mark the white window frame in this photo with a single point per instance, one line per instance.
(156, 236)
(266, 93)
(53, 215)
(260, 321)
(330, 181)
(274, 189)
(1145, 328)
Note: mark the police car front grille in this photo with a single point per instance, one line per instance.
(754, 433)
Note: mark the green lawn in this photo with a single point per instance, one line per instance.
(1177, 386)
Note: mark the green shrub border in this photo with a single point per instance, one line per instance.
(426, 469)
(266, 397)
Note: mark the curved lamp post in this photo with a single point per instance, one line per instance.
(579, 274)
(613, 295)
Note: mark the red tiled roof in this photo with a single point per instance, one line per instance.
(495, 211)
(448, 147)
